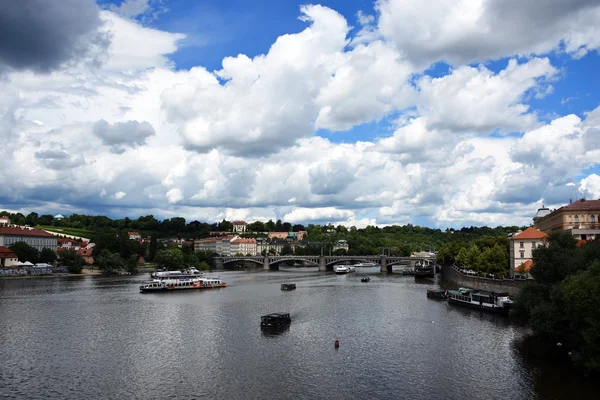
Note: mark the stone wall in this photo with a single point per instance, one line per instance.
(512, 286)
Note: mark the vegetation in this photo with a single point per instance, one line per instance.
(486, 255)
(73, 261)
(170, 259)
(47, 256)
(563, 305)
(25, 252)
(109, 262)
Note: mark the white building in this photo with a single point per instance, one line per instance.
(220, 245)
(522, 245)
(33, 237)
(243, 246)
(239, 226)
(134, 236)
(4, 221)
(7, 257)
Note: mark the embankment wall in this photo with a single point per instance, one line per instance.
(513, 287)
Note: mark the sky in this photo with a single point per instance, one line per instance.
(439, 113)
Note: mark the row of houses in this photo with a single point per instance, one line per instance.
(234, 244)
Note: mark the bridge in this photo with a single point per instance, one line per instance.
(325, 263)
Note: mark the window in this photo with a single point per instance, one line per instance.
(521, 245)
(577, 219)
(533, 245)
(592, 218)
(522, 254)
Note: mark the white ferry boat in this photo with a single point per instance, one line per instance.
(344, 269)
(181, 282)
(494, 302)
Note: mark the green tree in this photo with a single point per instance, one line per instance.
(73, 261)
(47, 255)
(25, 252)
(31, 219)
(286, 250)
(132, 263)
(109, 262)
(171, 259)
(153, 247)
(203, 266)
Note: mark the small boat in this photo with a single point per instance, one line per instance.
(494, 302)
(366, 265)
(365, 279)
(181, 282)
(288, 286)
(275, 320)
(344, 269)
(440, 294)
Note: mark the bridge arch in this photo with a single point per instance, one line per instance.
(354, 260)
(292, 258)
(229, 261)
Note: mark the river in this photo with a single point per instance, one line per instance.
(98, 337)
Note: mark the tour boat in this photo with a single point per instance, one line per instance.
(275, 320)
(365, 279)
(365, 265)
(343, 269)
(288, 286)
(494, 302)
(181, 282)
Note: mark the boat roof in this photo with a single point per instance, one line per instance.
(277, 315)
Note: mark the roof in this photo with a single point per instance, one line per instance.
(526, 265)
(244, 241)
(5, 252)
(542, 212)
(581, 243)
(239, 223)
(24, 232)
(133, 233)
(59, 216)
(529, 233)
(583, 205)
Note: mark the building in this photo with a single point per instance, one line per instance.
(134, 236)
(59, 216)
(293, 236)
(522, 245)
(7, 257)
(220, 245)
(34, 237)
(243, 246)
(580, 218)
(340, 245)
(239, 226)
(4, 221)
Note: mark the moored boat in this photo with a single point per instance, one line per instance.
(181, 282)
(440, 294)
(494, 302)
(288, 286)
(365, 279)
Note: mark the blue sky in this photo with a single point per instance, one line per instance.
(429, 114)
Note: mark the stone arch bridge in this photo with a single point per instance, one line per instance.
(325, 263)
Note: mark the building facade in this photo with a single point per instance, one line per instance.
(580, 218)
(7, 257)
(220, 245)
(522, 245)
(4, 221)
(239, 226)
(243, 246)
(134, 236)
(34, 237)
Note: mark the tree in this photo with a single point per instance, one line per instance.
(109, 262)
(47, 256)
(31, 219)
(171, 259)
(25, 252)
(153, 247)
(73, 261)
(132, 263)
(286, 250)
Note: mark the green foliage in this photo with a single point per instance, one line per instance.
(131, 263)
(109, 262)
(25, 252)
(73, 261)
(203, 266)
(47, 256)
(171, 259)
(286, 250)
(564, 303)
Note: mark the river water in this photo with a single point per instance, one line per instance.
(96, 337)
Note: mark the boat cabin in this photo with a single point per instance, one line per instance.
(275, 320)
(288, 286)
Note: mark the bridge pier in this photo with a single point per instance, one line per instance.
(322, 264)
(219, 263)
(383, 263)
(266, 263)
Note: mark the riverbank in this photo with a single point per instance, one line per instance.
(512, 286)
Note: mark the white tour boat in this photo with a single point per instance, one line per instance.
(181, 282)
(344, 269)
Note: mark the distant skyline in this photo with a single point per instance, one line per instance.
(439, 113)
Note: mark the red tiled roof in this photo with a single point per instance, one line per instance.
(583, 205)
(5, 252)
(24, 232)
(239, 223)
(244, 241)
(529, 233)
(527, 265)
(133, 233)
(581, 243)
